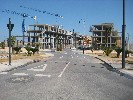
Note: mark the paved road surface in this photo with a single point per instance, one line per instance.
(66, 76)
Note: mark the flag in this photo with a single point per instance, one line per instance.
(23, 27)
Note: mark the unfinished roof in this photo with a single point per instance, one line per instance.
(105, 25)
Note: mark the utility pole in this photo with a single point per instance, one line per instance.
(123, 36)
(10, 27)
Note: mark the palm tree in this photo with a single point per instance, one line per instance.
(2, 45)
(13, 40)
(108, 32)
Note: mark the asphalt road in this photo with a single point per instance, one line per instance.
(68, 75)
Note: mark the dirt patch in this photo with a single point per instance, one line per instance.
(24, 56)
(111, 57)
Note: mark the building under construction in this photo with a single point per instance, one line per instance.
(104, 35)
(48, 36)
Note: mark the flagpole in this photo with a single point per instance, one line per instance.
(23, 29)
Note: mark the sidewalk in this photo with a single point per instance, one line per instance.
(4, 66)
(14, 64)
(116, 64)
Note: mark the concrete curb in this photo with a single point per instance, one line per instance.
(118, 70)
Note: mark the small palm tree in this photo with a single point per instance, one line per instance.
(13, 40)
(17, 49)
(28, 50)
(107, 50)
(108, 32)
(118, 50)
(3, 45)
(34, 50)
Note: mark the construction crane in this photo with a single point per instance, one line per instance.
(21, 14)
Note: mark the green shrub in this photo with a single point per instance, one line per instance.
(107, 50)
(31, 50)
(118, 50)
(59, 47)
(127, 52)
(2, 45)
(91, 48)
(17, 49)
(34, 50)
(28, 50)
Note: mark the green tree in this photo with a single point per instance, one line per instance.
(13, 40)
(107, 33)
(2, 44)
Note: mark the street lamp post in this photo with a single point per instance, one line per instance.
(123, 36)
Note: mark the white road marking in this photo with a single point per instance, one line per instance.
(35, 69)
(71, 56)
(21, 74)
(84, 57)
(63, 70)
(42, 75)
(77, 56)
(61, 57)
(3, 72)
(57, 61)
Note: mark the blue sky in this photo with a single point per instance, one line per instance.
(92, 11)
